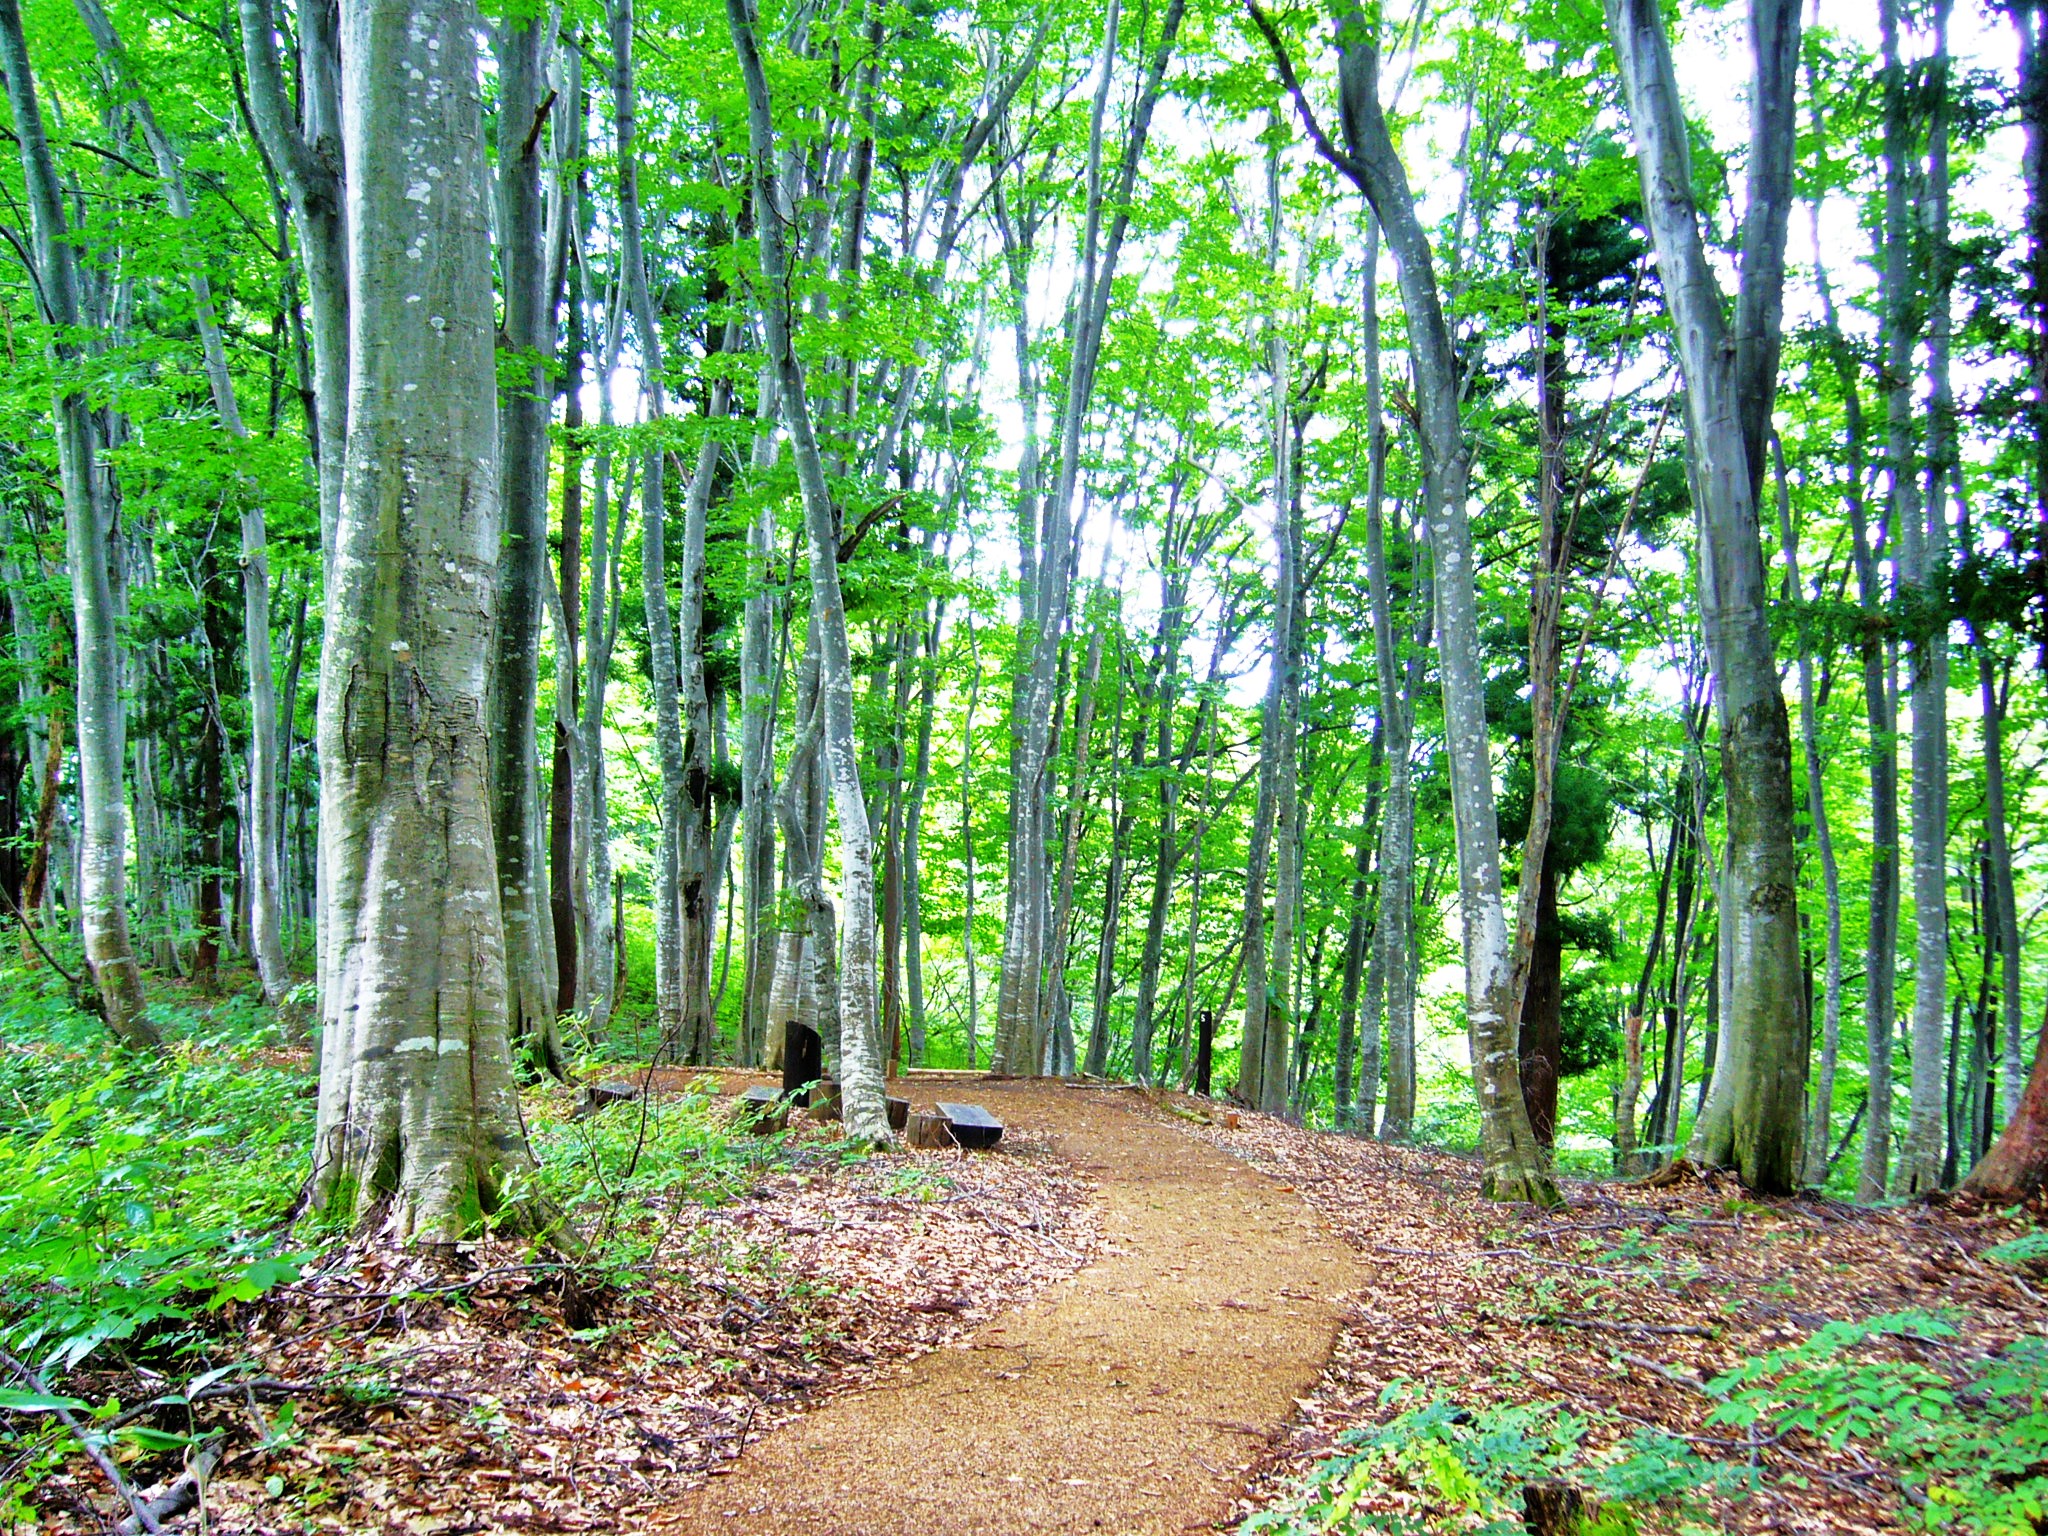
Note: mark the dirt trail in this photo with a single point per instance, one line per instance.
(1129, 1399)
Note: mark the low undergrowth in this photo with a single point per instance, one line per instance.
(162, 1313)
(1963, 1446)
(1675, 1358)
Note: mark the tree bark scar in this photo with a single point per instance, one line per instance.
(1770, 896)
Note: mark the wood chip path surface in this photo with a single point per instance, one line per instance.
(1132, 1398)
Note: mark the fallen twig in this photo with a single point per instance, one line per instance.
(87, 1442)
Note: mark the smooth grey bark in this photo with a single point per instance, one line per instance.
(698, 870)
(1819, 1133)
(418, 1119)
(1921, 513)
(913, 833)
(600, 946)
(1121, 812)
(1358, 1060)
(863, 1099)
(1881, 931)
(1515, 1165)
(88, 532)
(263, 839)
(1262, 1062)
(1060, 1002)
(1392, 937)
(1022, 1024)
(525, 404)
(1754, 1119)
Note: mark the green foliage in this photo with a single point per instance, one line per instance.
(1965, 1436)
(1969, 1445)
(136, 1197)
(1438, 1466)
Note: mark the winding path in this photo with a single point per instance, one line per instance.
(1131, 1398)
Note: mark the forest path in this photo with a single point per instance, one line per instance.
(1131, 1398)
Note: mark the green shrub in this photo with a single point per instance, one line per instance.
(1968, 1442)
(1438, 1466)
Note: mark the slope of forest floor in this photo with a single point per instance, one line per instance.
(1526, 1346)
(500, 1390)
(1106, 1325)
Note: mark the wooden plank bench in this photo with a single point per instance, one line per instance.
(971, 1125)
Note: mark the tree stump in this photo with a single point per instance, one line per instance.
(929, 1132)
(803, 1059)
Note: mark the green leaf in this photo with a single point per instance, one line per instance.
(13, 1401)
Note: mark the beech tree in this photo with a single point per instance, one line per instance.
(1754, 1118)
(419, 1122)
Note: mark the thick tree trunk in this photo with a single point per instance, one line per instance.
(418, 1119)
(1754, 1120)
(87, 535)
(2016, 1168)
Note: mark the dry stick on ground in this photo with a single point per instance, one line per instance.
(86, 1442)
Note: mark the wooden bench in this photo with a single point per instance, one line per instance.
(971, 1125)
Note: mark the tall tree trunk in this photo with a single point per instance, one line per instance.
(1880, 953)
(524, 407)
(568, 814)
(1358, 1059)
(913, 832)
(1999, 842)
(88, 533)
(1022, 1023)
(266, 941)
(1922, 514)
(1755, 1119)
(1392, 936)
(967, 834)
(671, 968)
(1819, 1133)
(1515, 1166)
(1060, 1003)
(758, 698)
(864, 1106)
(418, 1119)
(601, 948)
(306, 148)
